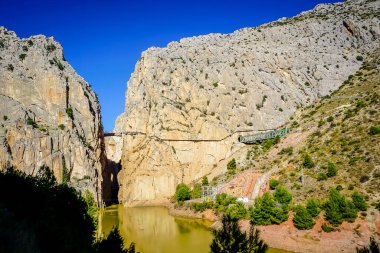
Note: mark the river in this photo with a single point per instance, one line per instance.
(153, 230)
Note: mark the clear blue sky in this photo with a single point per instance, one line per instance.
(104, 39)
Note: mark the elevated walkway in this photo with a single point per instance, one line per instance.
(251, 139)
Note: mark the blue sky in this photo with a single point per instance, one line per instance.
(104, 39)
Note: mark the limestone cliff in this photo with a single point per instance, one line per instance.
(49, 114)
(189, 102)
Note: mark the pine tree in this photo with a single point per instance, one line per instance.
(339, 209)
(230, 239)
(263, 209)
(282, 195)
(302, 218)
(359, 201)
(312, 207)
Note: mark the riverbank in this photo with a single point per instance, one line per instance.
(346, 238)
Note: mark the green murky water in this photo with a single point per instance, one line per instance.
(154, 231)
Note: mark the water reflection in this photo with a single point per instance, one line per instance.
(154, 231)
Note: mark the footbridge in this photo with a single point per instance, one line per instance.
(260, 135)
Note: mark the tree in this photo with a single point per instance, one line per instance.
(196, 192)
(373, 247)
(307, 161)
(312, 207)
(302, 218)
(113, 243)
(230, 239)
(182, 192)
(265, 211)
(237, 211)
(204, 181)
(359, 201)
(282, 195)
(231, 166)
(339, 209)
(273, 183)
(331, 170)
(261, 213)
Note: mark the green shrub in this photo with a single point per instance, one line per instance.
(5, 117)
(222, 201)
(307, 161)
(196, 192)
(10, 67)
(30, 43)
(70, 112)
(282, 195)
(339, 209)
(373, 130)
(202, 206)
(204, 181)
(364, 178)
(182, 192)
(61, 126)
(359, 201)
(273, 183)
(330, 119)
(231, 166)
(331, 170)
(22, 57)
(31, 122)
(327, 228)
(312, 207)
(287, 151)
(237, 211)
(302, 218)
(50, 47)
(322, 176)
(359, 58)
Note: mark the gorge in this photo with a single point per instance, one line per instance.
(315, 76)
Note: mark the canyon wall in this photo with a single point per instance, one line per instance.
(49, 115)
(187, 103)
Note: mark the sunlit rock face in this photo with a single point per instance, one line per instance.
(49, 114)
(210, 87)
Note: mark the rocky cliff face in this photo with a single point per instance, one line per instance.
(49, 114)
(211, 87)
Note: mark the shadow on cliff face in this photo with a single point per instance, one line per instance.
(113, 169)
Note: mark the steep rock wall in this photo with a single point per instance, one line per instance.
(211, 87)
(49, 114)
